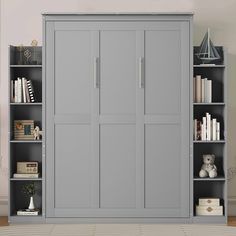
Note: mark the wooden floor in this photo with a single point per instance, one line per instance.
(231, 221)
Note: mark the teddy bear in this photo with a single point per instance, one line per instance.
(208, 168)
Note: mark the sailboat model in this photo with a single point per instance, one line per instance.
(207, 51)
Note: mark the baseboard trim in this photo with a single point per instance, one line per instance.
(3, 206)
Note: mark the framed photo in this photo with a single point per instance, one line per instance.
(23, 129)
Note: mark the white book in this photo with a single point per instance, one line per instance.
(23, 90)
(27, 213)
(195, 129)
(16, 90)
(208, 128)
(194, 89)
(204, 126)
(15, 175)
(19, 90)
(202, 90)
(214, 129)
(12, 89)
(198, 89)
(217, 131)
(208, 91)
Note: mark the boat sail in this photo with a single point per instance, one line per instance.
(207, 51)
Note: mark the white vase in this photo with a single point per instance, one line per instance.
(31, 205)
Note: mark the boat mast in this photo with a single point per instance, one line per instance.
(208, 42)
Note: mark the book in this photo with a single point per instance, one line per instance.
(16, 90)
(208, 93)
(195, 129)
(204, 127)
(27, 92)
(31, 91)
(203, 90)
(213, 129)
(12, 91)
(208, 127)
(16, 175)
(198, 88)
(23, 90)
(19, 90)
(217, 131)
(194, 89)
(27, 212)
(199, 128)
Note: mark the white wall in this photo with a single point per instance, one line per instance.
(21, 22)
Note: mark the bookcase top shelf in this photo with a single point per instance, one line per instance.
(205, 141)
(26, 104)
(209, 179)
(209, 66)
(26, 141)
(209, 104)
(26, 179)
(25, 66)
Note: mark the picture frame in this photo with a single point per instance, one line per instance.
(24, 129)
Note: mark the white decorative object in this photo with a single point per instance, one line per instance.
(31, 205)
(208, 168)
(37, 133)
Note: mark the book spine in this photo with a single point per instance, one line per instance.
(194, 89)
(209, 91)
(217, 131)
(208, 116)
(27, 92)
(11, 91)
(195, 129)
(19, 90)
(31, 90)
(202, 90)
(21, 213)
(23, 90)
(204, 126)
(25, 175)
(198, 89)
(214, 129)
(16, 90)
(199, 130)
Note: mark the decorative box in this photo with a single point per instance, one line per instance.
(209, 210)
(209, 202)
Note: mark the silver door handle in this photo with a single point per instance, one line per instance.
(141, 82)
(95, 76)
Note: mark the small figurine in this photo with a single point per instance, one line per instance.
(37, 133)
(34, 43)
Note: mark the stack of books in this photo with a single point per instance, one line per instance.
(207, 129)
(202, 92)
(209, 206)
(22, 91)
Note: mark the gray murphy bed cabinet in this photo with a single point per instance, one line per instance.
(117, 112)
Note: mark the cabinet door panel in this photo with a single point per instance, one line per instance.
(117, 166)
(72, 166)
(166, 118)
(72, 72)
(162, 71)
(117, 72)
(162, 166)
